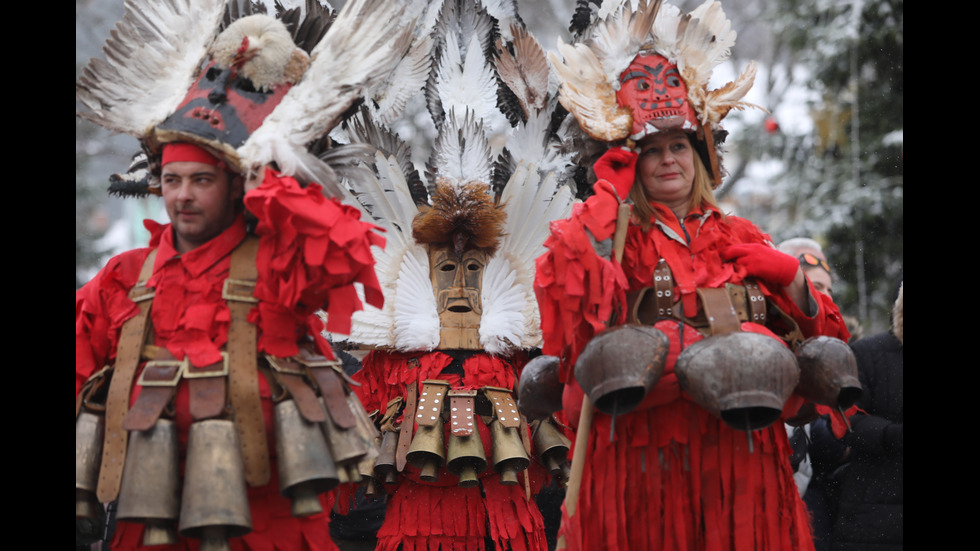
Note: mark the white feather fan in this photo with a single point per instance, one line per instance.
(148, 69)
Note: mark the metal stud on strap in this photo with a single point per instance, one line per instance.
(461, 412)
(431, 401)
(504, 407)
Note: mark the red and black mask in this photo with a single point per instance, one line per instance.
(222, 109)
(653, 89)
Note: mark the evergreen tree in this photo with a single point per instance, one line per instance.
(843, 183)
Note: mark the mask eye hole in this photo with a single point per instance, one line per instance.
(213, 74)
(473, 267)
(642, 85)
(244, 84)
(448, 267)
(673, 81)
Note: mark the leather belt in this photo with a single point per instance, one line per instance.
(651, 304)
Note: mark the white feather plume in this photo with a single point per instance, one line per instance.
(510, 315)
(404, 82)
(504, 301)
(363, 44)
(462, 152)
(416, 324)
(466, 83)
(525, 72)
(148, 68)
(586, 92)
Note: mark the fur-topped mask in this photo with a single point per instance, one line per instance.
(463, 217)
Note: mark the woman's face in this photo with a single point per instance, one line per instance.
(666, 167)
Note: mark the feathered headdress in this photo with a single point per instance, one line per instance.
(593, 71)
(248, 93)
(487, 192)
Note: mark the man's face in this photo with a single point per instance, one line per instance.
(200, 202)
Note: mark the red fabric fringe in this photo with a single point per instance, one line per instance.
(423, 516)
(676, 478)
(673, 477)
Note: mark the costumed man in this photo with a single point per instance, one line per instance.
(460, 316)
(198, 356)
(683, 453)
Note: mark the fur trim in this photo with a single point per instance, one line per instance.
(465, 217)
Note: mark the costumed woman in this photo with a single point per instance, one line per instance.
(670, 475)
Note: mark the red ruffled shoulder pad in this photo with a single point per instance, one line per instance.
(577, 290)
(312, 251)
(101, 307)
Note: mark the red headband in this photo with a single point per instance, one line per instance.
(178, 152)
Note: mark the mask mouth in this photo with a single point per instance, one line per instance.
(661, 124)
(459, 305)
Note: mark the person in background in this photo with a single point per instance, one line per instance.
(870, 511)
(812, 260)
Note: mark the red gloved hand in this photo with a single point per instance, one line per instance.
(618, 167)
(763, 262)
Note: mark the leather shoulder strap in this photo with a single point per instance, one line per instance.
(131, 339)
(243, 369)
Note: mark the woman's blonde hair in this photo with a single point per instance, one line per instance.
(701, 192)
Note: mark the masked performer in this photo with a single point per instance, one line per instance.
(671, 474)
(460, 314)
(194, 355)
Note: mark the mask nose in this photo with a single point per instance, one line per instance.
(219, 93)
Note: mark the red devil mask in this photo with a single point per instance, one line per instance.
(653, 89)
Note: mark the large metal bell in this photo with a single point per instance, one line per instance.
(539, 391)
(620, 365)
(828, 372)
(385, 469)
(466, 457)
(552, 446)
(509, 456)
(743, 378)
(347, 447)
(89, 434)
(151, 482)
(214, 503)
(427, 451)
(306, 468)
(372, 439)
